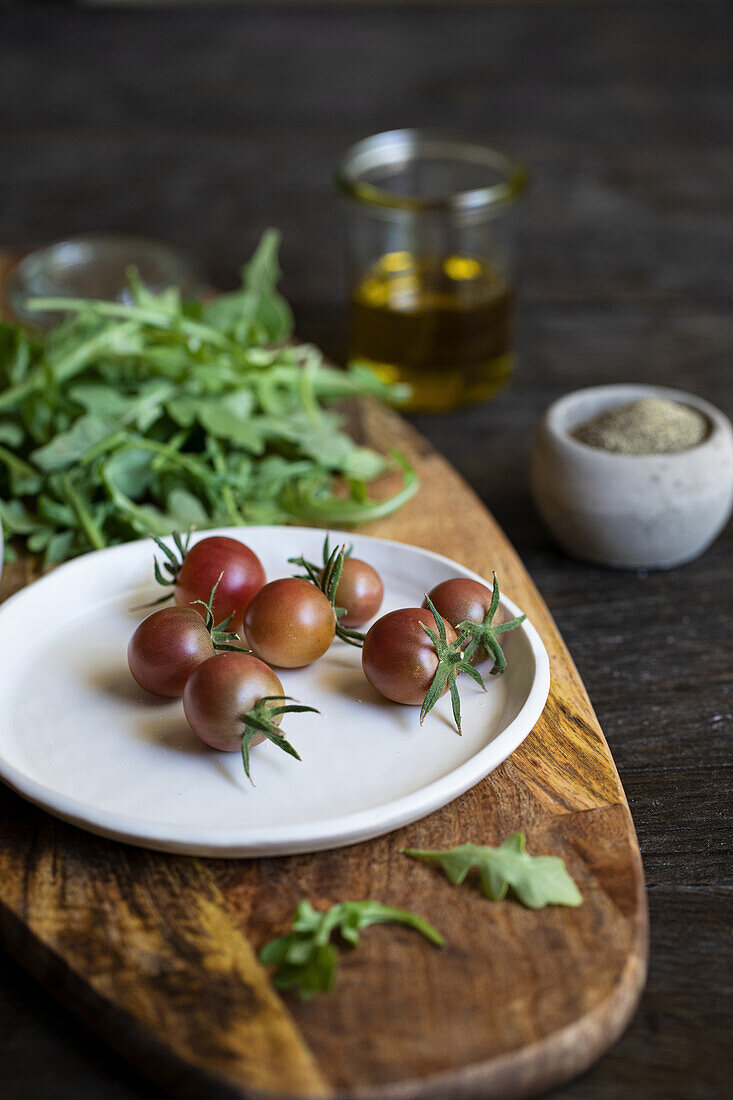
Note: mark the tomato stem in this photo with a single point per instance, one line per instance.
(222, 638)
(259, 720)
(166, 572)
(326, 578)
(451, 661)
(483, 635)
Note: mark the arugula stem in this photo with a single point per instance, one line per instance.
(305, 385)
(137, 314)
(133, 512)
(86, 522)
(412, 920)
(198, 469)
(303, 502)
(21, 390)
(111, 443)
(73, 362)
(331, 384)
(227, 495)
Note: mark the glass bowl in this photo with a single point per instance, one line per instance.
(95, 266)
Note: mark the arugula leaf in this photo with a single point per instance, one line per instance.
(131, 470)
(306, 960)
(140, 409)
(229, 417)
(536, 881)
(186, 510)
(66, 448)
(11, 434)
(256, 313)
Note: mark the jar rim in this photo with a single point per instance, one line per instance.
(398, 147)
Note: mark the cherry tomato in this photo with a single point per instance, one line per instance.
(461, 599)
(221, 691)
(360, 591)
(243, 576)
(398, 657)
(289, 623)
(166, 648)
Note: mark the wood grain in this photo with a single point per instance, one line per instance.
(156, 952)
(145, 950)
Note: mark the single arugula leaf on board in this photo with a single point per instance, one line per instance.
(306, 960)
(536, 881)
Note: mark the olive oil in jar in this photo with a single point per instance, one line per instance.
(441, 324)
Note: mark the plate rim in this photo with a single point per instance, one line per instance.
(225, 842)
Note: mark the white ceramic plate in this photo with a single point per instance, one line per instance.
(80, 739)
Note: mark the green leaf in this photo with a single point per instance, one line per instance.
(17, 519)
(186, 510)
(362, 464)
(183, 410)
(68, 447)
(257, 310)
(230, 417)
(306, 960)
(11, 434)
(536, 881)
(167, 301)
(310, 499)
(59, 547)
(130, 468)
(141, 409)
(306, 919)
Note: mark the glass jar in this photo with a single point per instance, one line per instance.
(431, 264)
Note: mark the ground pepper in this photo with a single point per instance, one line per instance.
(651, 425)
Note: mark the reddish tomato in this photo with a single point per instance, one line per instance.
(398, 657)
(166, 648)
(461, 599)
(289, 623)
(360, 591)
(221, 691)
(243, 576)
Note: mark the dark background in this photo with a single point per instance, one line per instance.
(202, 125)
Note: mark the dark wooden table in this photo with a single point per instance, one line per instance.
(201, 126)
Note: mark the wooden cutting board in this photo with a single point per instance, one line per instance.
(157, 953)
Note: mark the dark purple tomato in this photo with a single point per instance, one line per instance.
(461, 599)
(223, 689)
(360, 591)
(398, 657)
(205, 562)
(166, 648)
(289, 623)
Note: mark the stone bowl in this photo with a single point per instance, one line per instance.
(631, 511)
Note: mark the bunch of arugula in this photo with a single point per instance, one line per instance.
(160, 414)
